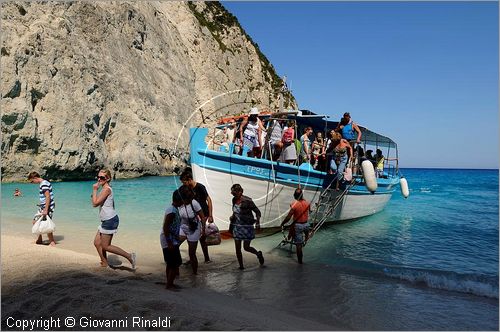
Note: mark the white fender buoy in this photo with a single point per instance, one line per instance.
(404, 187)
(369, 175)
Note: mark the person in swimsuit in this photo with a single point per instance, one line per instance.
(339, 147)
(350, 132)
(299, 210)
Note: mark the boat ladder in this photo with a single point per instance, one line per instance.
(327, 203)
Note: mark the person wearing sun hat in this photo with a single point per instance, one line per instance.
(251, 131)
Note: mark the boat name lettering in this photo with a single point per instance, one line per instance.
(256, 170)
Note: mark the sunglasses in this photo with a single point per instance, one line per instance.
(102, 178)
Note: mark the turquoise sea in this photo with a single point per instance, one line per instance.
(429, 262)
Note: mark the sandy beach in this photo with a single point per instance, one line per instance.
(41, 282)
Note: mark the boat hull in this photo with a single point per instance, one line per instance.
(273, 199)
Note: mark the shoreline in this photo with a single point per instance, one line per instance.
(92, 177)
(89, 178)
(43, 281)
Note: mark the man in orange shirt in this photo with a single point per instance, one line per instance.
(299, 210)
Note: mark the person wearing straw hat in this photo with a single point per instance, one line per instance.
(251, 132)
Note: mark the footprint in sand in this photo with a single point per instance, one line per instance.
(120, 305)
(59, 303)
(135, 277)
(18, 314)
(114, 282)
(32, 305)
(115, 304)
(207, 326)
(145, 313)
(44, 288)
(77, 303)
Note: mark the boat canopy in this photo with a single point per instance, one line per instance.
(321, 122)
(318, 122)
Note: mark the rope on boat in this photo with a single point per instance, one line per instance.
(298, 157)
(274, 182)
(268, 141)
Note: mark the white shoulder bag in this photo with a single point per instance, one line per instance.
(43, 226)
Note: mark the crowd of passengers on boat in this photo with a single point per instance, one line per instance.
(279, 140)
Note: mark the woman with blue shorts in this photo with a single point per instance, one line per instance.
(109, 220)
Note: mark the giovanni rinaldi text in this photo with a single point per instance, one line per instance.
(49, 323)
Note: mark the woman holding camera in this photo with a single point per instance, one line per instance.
(192, 223)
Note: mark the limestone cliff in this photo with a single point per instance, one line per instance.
(86, 85)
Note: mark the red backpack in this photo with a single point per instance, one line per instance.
(288, 135)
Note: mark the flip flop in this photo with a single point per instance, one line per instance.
(260, 257)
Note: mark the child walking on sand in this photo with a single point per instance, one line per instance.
(169, 239)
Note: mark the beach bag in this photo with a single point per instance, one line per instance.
(212, 235)
(288, 136)
(43, 225)
(347, 174)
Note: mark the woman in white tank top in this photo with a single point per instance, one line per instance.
(251, 136)
(109, 220)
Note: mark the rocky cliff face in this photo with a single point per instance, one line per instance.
(86, 85)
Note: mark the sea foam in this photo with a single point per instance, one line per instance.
(477, 284)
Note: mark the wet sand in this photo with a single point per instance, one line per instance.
(47, 282)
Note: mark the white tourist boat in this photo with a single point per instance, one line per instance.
(271, 184)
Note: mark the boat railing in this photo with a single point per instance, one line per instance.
(391, 170)
(391, 167)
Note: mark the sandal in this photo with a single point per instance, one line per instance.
(260, 257)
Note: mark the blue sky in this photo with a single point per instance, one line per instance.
(423, 73)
